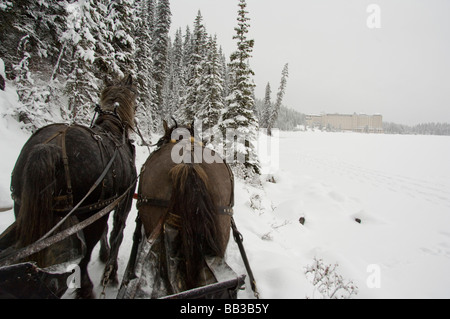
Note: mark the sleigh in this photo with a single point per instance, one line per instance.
(25, 280)
(144, 277)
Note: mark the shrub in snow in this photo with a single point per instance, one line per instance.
(256, 202)
(271, 179)
(328, 282)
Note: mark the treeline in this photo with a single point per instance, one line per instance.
(58, 54)
(287, 119)
(422, 129)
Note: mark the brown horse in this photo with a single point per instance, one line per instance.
(189, 205)
(58, 166)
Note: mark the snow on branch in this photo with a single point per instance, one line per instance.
(328, 282)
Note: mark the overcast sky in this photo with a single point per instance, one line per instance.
(337, 64)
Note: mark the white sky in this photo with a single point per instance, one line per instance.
(336, 63)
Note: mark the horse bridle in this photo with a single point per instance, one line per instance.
(99, 111)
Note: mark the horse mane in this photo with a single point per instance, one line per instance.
(122, 93)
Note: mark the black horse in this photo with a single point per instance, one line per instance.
(56, 169)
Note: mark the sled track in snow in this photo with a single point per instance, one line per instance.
(431, 191)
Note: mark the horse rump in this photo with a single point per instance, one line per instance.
(39, 177)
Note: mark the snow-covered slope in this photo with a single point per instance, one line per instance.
(398, 187)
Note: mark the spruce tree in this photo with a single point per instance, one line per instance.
(144, 80)
(267, 107)
(106, 65)
(187, 51)
(195, 60)
(121, 25)
(169, 94)
(82, 86)
(177, 77)
(239, 115)
(151, 15)
(40, 24)
(211, 90)
(160, 55)
(225, 73)
(275, 109)
(30, 46)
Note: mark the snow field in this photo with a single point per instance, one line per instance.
(398, 186)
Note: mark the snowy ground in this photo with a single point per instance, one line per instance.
(398, 186)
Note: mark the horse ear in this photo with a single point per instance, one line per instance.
(107, 81)
(129, 80)
(191, 128)
(175, 121)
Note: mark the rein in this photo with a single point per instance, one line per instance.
(44, 243)
(93, 187)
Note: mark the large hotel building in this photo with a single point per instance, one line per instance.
(347, 122)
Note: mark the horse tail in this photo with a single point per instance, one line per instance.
(35, 216)
(192, 202)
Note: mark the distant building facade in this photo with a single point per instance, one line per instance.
(347, 122)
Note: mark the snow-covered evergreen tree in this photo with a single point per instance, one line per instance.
(160, 56)
(275, 109)
(211, 90)
(30, 47)
(195, 59)
(187, 50)
(120, 22)
(151, 15)
(82, 86)
(226, 75)
(267, 107)
(100, 26)
(145, 84)
(40, 23)
(168, 93)
(176, 81)
(239, 115)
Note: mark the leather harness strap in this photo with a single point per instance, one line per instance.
(64, 203)
(82, 209)
(65, 158)
(221, 210)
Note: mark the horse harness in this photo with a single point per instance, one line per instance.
(174, 219)
(65, 203)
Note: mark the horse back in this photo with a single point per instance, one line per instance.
(88, 152)
(155, 189)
